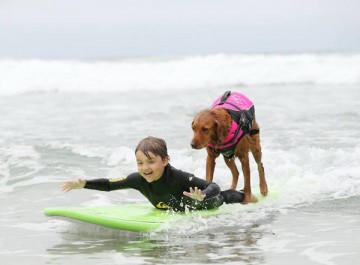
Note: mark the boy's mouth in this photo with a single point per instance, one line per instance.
(148, 173)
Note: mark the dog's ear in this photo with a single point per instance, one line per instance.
(215, 134)
(220, 132)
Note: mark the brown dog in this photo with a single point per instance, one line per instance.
(229, 128)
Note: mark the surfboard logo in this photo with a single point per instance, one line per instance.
(117, 179)
(162, 205)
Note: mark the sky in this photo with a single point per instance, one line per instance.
(105, 29)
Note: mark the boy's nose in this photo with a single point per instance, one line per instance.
(146, 166)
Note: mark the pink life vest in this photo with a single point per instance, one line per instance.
(241, 110)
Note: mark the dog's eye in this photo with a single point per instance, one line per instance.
(204, 129)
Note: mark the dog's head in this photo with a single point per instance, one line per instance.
(209, 128)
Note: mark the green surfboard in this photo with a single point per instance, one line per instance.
(141, 217)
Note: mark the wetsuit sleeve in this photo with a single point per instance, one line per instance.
(210, 189)
(189, 180)
(132, 181)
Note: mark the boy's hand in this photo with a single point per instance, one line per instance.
(195, 194)
(73, 184)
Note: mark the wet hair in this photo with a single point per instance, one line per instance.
(155, 145)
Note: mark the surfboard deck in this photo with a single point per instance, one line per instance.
(140, 217)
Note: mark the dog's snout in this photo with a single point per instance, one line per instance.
(193, 145)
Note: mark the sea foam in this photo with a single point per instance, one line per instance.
(39, 76)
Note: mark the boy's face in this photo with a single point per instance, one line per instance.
(150, 168)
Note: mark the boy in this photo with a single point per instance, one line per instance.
(163, 185)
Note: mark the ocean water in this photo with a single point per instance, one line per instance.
(62, 120)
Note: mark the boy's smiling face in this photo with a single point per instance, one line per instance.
(150, 168)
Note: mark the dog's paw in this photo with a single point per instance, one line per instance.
(264, 190)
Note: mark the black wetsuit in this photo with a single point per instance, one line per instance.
(167, 191)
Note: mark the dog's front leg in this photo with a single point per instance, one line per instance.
(234, 172)
(244, 159)
(210, 164)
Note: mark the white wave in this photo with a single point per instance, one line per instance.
(306, 175)
(110, 157)
(120, 155)
(80, 149)
(32, 76)
(17, 158)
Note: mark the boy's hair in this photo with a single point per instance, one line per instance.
(155, 145)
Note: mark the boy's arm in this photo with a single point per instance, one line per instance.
(73, 184)
(104, 184)
(200, 189)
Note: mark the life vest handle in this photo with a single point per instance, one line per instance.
(224, 97)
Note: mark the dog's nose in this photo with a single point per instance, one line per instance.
(193, 145)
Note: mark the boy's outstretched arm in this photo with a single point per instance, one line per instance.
(73, 184)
